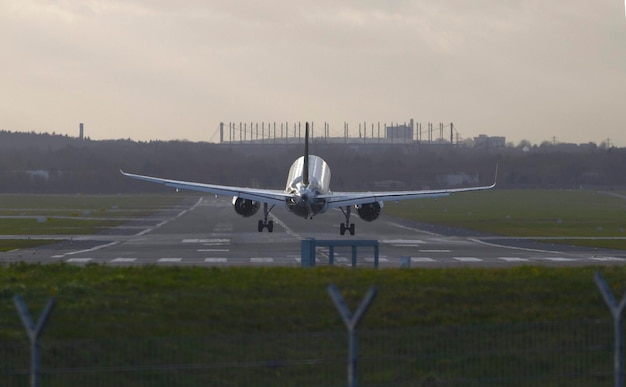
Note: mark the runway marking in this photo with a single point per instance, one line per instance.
(215, 260)
(79, 260)
(123, 260)
(380, 259)
(608, 259)
(197, 240)
(220, 228)
(261, 260)
(183, 212)
(511, 247)
(91, 249)
(212, 250)
(468, 259)
(435, 251)
(412, 229)
(422, 259)
(557, 259)
(513, 259)
(169, 260)
(283, 225)
(403, 242)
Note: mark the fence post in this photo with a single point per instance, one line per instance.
(33, 331)
(307, 252)
(351, 323)
(617, 312)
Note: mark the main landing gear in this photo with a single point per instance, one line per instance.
(264, 223)
(343, 227)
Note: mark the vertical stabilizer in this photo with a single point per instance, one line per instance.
(305, 167)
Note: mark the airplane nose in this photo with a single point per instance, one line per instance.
(305, 197)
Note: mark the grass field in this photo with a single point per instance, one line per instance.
(179, 301)
(527, 213)
(472, 327)
(71, 214)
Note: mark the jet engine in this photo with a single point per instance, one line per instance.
(245, 207)
(369, 211)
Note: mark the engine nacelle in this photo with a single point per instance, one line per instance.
(245, 207)
(369, 211)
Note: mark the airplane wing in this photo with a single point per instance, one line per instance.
(260, 195)
(343, 199)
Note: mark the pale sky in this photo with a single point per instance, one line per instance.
(157, 69)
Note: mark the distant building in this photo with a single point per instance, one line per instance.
(82, 131)
(488, 142)
(400, 133)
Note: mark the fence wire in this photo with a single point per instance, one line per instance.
(548, 354)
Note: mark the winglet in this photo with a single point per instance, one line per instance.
(305, 167)
(495, 178)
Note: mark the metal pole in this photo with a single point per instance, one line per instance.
(617, 311)
(351, 323)
(34, 332)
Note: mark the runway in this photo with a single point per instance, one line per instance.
(210, 233)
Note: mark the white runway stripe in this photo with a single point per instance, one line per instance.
(215, 260)
(170, 260)
(123, 260)
(261, 260)
(468, 259)
(421, 259)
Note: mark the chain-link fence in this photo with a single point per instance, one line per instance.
(547, 354)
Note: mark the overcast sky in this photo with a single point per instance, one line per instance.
(162, 69)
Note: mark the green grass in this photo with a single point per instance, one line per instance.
(72, 214)
(206, 326)
(12, 244)
(153, 301)
(526, 213)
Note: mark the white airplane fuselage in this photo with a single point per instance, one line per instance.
(306, 202)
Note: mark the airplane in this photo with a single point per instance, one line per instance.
(307, 193)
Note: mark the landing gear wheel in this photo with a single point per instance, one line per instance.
(263, 223)
(343, 227)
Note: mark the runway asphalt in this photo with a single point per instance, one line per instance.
(210, 233)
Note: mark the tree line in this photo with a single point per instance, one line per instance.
(44, 163)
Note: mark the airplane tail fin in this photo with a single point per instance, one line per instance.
(305, 168)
